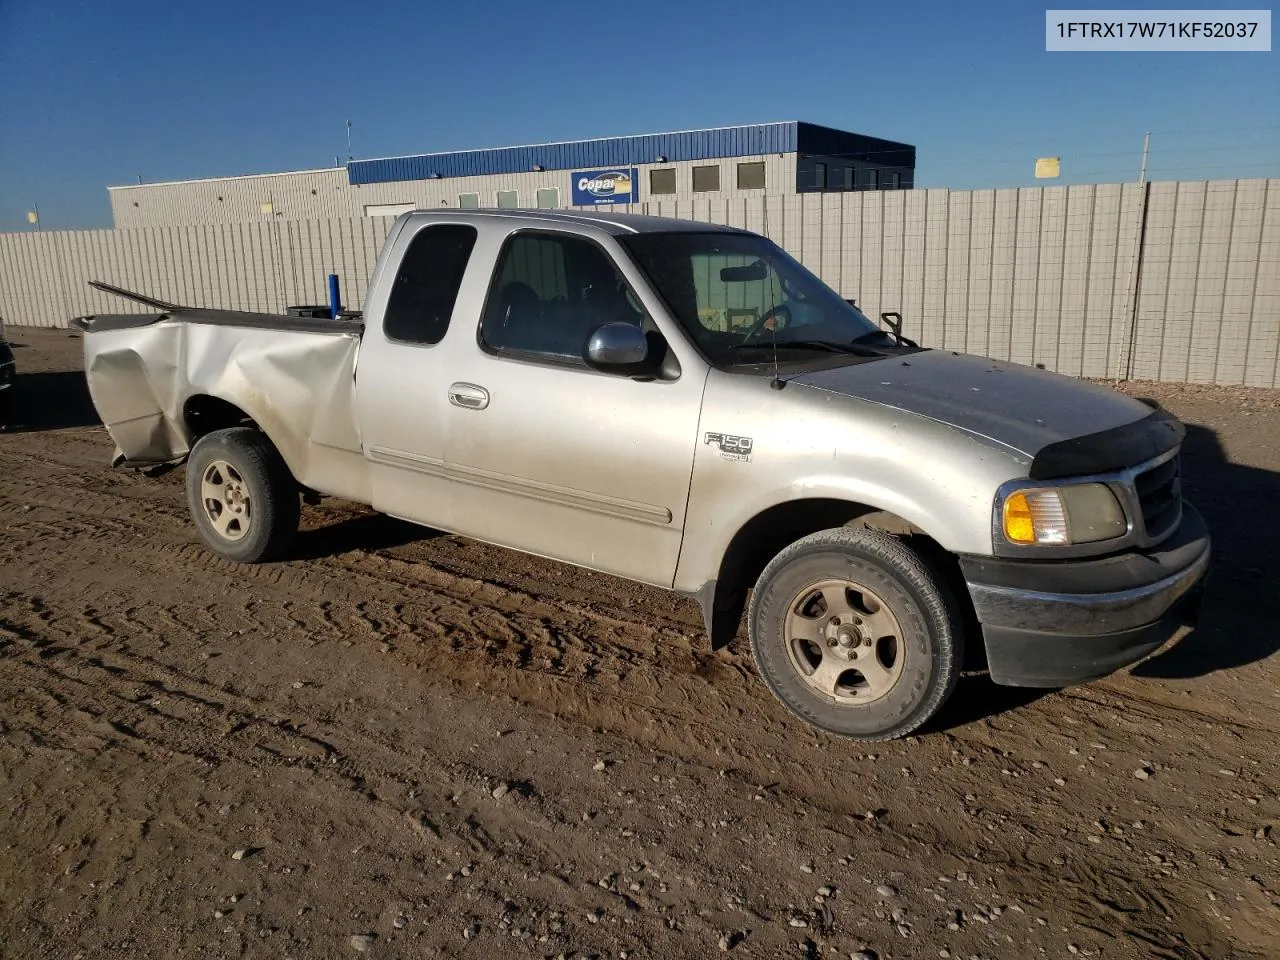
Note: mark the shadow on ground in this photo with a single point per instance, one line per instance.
(370, 531)
(977, 698)
(48, 401)
(1240, 621)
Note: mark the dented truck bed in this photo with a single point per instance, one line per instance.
(151, 375)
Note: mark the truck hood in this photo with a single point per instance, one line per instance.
(1066, 426)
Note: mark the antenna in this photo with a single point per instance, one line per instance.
(777, 382)
(348, 141)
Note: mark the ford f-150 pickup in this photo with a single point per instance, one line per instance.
(685, 405)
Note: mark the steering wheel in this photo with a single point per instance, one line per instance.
(774, 311)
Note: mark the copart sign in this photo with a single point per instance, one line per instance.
(617, 185)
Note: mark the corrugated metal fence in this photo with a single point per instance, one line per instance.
(261, 265)
(1169, 281)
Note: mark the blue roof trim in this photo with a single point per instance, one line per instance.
(582, 155)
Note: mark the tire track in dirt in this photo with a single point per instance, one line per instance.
(782, 798)
(216, 726)
(528, 629)
(133, 717)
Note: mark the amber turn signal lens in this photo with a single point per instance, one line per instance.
(1019, 526)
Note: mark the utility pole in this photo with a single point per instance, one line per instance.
(1135, 266)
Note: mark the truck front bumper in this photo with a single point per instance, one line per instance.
(1056, 623)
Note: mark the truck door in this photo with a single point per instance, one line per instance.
(401, 370)
(547, 455)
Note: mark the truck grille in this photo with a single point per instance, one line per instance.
(1160, 497)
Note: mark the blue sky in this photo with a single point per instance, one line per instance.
(95, 93)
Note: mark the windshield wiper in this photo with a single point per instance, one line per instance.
(850, 348)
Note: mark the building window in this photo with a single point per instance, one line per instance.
(873, 179)
(895, 180)
(508, 199)
(849, 174)
(387, 209)
(469, 201)
(662, 181)
(751, 175)
(820, 176)
(548, 198)
(426, 285)
(706, 179)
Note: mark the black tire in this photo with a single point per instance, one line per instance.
(931, 642)
(255, 469)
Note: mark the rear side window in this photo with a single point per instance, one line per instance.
(426, 286)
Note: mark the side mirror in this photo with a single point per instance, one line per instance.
(894, 321)
(617, 348)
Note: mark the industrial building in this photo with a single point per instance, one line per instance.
(772, 159)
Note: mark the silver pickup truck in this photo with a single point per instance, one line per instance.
(685, 405)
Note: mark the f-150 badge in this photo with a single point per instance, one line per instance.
(731, 448)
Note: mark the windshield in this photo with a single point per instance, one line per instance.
(739, 295)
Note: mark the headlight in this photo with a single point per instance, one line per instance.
(1073, 513)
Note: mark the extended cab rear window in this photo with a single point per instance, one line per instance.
(426, 286)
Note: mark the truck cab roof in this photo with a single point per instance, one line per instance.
(617, 224)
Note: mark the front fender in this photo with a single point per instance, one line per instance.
(712, 526)
(805, 444)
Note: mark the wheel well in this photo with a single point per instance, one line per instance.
(204, 414)
(766, 534)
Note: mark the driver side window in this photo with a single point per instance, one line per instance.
(728, 304)
(549, 292)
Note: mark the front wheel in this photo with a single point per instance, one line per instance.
(855, 634)
(242, 497)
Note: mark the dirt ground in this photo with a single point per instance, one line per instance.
(401, 743)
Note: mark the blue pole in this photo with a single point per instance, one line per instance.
(335, 298)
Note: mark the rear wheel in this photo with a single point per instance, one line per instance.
(854, 633)
(241, 495)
